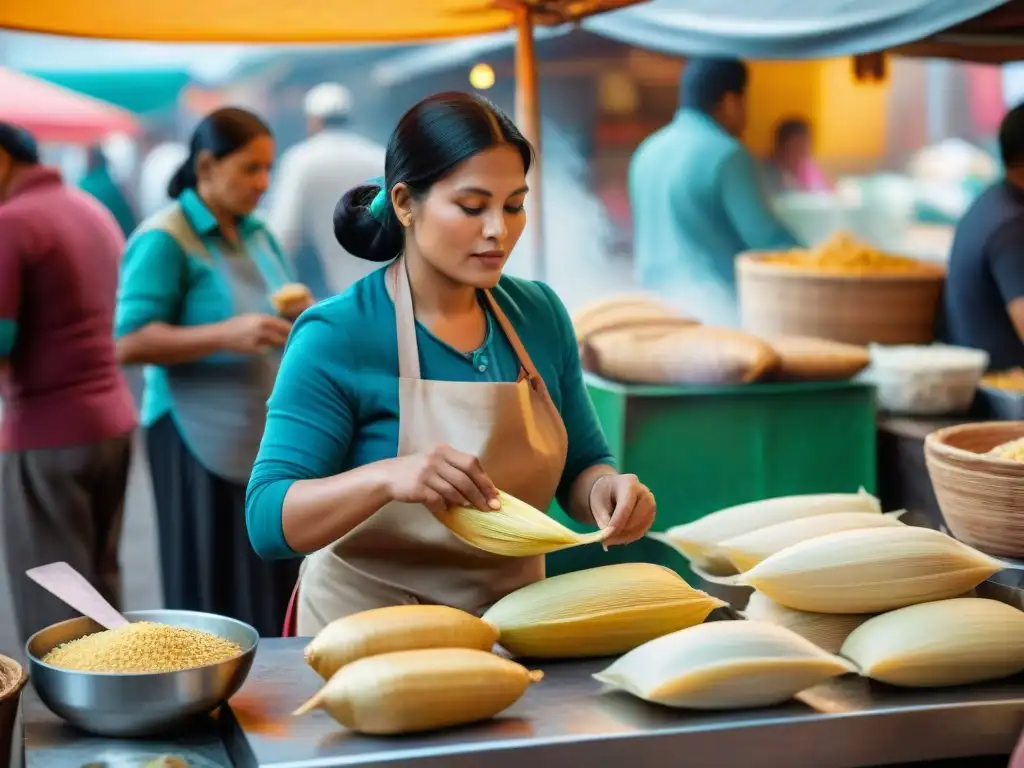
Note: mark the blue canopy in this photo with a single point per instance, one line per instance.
(783, 29)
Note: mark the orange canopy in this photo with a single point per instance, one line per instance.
(285, 21)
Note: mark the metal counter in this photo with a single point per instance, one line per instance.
(51, 743)
(568, 719)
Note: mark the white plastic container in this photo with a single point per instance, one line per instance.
(927, 380)
(813, 216)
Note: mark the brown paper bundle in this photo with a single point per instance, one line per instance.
(802, 358)
(680, 355)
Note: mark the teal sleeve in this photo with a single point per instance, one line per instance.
(747, 206)
(311, 420)
(587, 443)
(8, 333)
(152, 280)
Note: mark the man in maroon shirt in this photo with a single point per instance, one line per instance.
(68, 415)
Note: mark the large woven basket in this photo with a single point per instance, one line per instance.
(981, 497)
(12, 680)
(856, 309)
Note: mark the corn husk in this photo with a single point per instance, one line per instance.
(949, 642)
(828, 631)
(516, 530)
(395, 628)
(410, 691)
(597, 612)
(724, 665)
(698, 540)
(870, 570)
(749, 549)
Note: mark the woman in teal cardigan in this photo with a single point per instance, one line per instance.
(195, 307)
(433, 382)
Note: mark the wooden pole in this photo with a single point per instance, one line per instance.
(528, 120)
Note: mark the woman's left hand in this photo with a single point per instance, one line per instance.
(624, 504)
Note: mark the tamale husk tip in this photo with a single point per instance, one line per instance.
(736, 580)
(314, 703)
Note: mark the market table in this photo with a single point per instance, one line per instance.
(50, 743)
(568, 720)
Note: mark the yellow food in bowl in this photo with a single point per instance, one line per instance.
(842, 254)
(142, 647)
(1011, 451)
(1010, 381)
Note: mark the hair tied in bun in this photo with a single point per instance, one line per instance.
(378, 207)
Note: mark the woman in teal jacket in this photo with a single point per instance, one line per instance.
(194, 308)
(433, 382)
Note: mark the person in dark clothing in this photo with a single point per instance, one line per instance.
(68, 415)
(99, 182)
(984, 298)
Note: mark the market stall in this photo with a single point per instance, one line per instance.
(835, 711)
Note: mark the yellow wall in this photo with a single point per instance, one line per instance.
(778, 89)
(848, 117)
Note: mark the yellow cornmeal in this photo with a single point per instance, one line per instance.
(142, 647)
(1011, 380)
(841, 254)
(1011, 451)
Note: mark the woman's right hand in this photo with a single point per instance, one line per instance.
(254, 333)
(442, 477)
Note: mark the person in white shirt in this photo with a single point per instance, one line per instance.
(155, 173)
(310, 178)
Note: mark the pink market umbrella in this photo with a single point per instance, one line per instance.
(55, 114)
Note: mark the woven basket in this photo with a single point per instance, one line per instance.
(856, 309)
(981, 497)
(12, 680)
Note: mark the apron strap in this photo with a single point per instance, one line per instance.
(513, 339)
(405, 318)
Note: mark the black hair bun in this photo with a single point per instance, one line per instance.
(362, 235)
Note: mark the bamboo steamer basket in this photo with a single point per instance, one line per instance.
(981, 497)
(12, 680)
(855, 309)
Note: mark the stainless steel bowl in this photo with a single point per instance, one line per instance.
(135, 705)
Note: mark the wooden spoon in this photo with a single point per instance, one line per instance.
(63, 581)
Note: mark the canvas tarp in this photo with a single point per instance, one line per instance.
(787, 29)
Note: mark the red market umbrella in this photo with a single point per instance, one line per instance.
(55, 114)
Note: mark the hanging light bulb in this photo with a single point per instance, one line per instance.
(481, 76)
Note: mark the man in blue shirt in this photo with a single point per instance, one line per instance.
(696, 197)
(985, 289)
